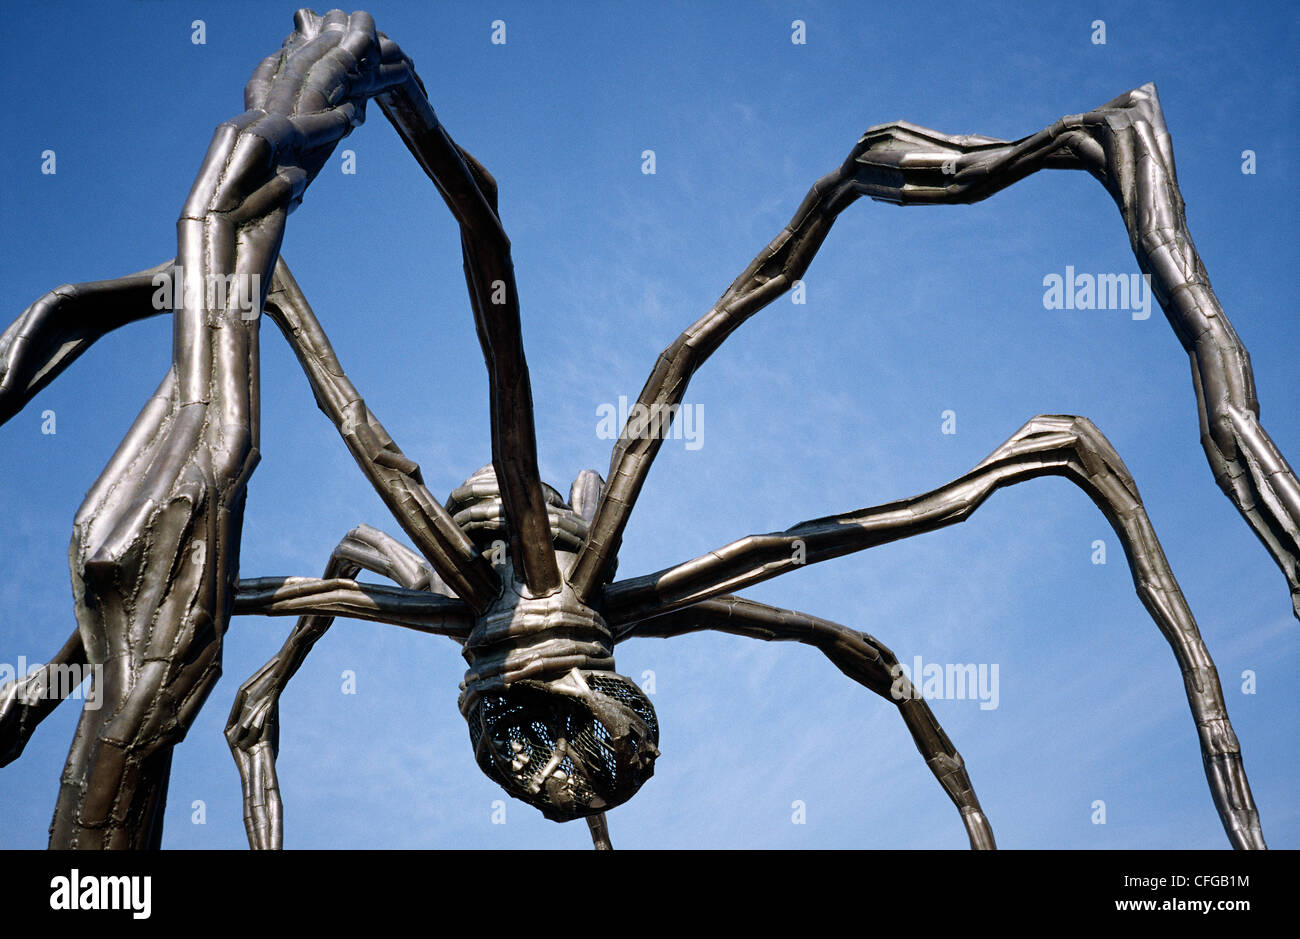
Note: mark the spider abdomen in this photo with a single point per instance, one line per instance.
(549, 718)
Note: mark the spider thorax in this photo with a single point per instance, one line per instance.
(549, 718)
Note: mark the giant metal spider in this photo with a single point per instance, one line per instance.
(522, 579)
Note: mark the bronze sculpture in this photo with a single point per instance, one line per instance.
(198, 439)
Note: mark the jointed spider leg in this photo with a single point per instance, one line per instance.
(1048, 445)
(35, 349)
(1125, 145)
(28, 700)
(396, 478)
(155, 547)
(140, 447)
(253, 728)
(420, 610)
(471, 194)
(414, 608)
(56, 329)
(863, 658)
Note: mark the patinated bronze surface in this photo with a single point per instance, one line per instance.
(521, 578)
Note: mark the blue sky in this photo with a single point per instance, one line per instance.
(808, 410)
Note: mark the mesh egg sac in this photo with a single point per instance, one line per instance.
(569, 754)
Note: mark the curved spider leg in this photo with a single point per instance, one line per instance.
(155, 546)
(863, 658)
(28, 700)
(1070, 447)
(395, 477)
(253, 728)
(768, 276)
(55, 330)
(471, 194)
(420, 610)
(37, 347)
(1126, 146)
(23, 704)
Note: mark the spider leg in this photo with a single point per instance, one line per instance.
(430, 610)
(1124, 144)
(421, 610)
(154, 550)
(27, 700)
(155, 545)
(584, 496)
(1071, 447)
(55, 330)
(154, 554)
(396, 478)
(36, 348)
(253, 728)
(599, 832)
(471, 194)
(863, 658)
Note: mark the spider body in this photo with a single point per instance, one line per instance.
(549, 718)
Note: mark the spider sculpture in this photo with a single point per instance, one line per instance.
(520, 578)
